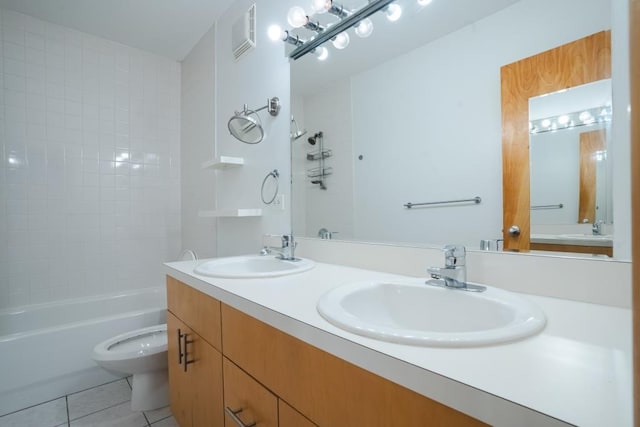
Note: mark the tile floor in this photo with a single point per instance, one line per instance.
(107, 405)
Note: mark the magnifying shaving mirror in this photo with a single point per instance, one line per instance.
(246, 125)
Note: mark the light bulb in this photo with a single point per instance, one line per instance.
(364, 28)
(545, 123)
(297, 17)
(424, 2)
(341, 40)
(320, 6)
(275, 33)
(586, 117)
(322, 53)
(563, 120)
(393, 12)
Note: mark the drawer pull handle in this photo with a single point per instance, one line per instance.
(180, 355)
(186, 360)
(234, 416)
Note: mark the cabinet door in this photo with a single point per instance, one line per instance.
(195, 393)
(247, 400)
(289, 417)
(206, 382)
(179, 387)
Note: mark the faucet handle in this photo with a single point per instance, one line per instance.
(288, 241)
(454, 256)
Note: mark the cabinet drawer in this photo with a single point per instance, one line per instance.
(289, 417)
(326, 389)
(247, 400)
(199, 311)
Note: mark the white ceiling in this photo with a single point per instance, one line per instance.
(166, 27)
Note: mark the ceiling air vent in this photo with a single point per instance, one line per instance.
(243, 33)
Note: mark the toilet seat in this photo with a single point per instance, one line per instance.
(133, 344)
(143, 354)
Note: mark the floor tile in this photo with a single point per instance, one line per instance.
(116, 416)
(48, 414)
(98, 398)
(158, 414)
(167, 422)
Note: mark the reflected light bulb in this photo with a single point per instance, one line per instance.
(364, 28)
(545, 123)
(563, 120)
(585, 117)
(393, 12)
(275, 33)
(322, 53)
(320, 6)
(341, 40)
(424, 2)
(296, 17)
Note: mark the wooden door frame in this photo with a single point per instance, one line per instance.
(580, 62)
(634, 52)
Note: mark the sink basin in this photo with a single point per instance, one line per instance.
(413, 312)
(252, 266)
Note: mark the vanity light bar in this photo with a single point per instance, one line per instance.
(349, 21)
(570, 120)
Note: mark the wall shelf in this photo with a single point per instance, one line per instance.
(219, 213)
(223, 162)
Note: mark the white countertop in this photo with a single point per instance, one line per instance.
(577, 371)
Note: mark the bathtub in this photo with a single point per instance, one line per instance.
(45, 349)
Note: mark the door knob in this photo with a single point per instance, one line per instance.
(514, 231)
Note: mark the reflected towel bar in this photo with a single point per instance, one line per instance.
(558, 206)
(475, 200)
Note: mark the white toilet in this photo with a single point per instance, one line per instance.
(143, 353)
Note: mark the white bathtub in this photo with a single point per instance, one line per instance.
(45, 349)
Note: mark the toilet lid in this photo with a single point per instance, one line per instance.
(141, 344)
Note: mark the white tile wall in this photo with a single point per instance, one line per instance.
(89, 163)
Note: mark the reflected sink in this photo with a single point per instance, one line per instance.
(412, 312)
(252, 266)
(588, 236)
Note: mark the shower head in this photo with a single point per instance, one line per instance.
(313, 139)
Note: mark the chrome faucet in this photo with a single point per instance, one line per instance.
(454, 273)
(286, 251)
(596, 227)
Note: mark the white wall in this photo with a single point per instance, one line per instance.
(330, 113)
(446, 96)
(197, 143)
(260, 75)
(555, 175)
(89, 163)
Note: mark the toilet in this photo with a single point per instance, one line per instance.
(143, 353)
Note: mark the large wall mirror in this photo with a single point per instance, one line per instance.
(412, 115)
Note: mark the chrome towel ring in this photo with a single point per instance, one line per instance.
(276, 176)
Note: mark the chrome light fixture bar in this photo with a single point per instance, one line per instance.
(351, 20)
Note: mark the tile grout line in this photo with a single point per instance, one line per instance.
(95, 412)
(66, 400)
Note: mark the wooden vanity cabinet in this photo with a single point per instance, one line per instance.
(194, 357)
(274, 379)
(326, 389)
